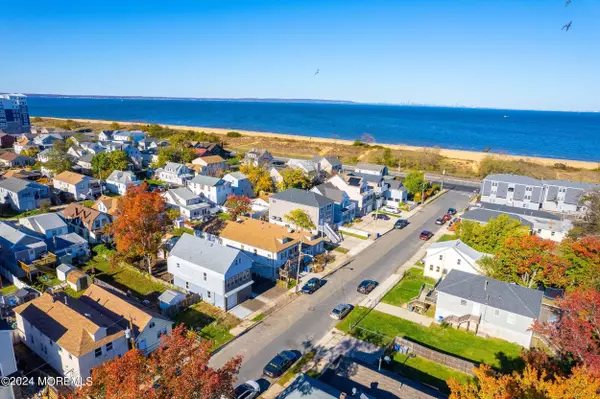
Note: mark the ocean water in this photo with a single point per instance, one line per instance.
(567, 135)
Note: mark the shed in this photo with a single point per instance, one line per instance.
(63, 270)
(78, 280)
(170, 298)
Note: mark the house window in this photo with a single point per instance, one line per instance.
(463, 302)
(496, 312)
(204, 276)
(511, 318)
(441, 257)
(552, 234)
(70, 357)
(255, 252)
(208, 294)
(431, 267)
(32, 340)
(98, 352)
(437, 269)
(187, 285)
(458, 261)
(152, 324)
(109, 346)
(178, 265)
(445, 271)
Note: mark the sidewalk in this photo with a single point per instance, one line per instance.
(404, 313)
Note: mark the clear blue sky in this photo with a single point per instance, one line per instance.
(492, 53)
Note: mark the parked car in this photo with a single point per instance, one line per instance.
(451, 211)
(400, 223)
(447, 217)
(340, 311)
(425, 235)
(389, 209)
(440, 221)
(311, 285)
(279, 364)
(381, 216)
(367, 286)
(248, 390)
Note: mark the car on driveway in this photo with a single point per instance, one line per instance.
(440, 221)
(311, 285)
(367, 286)
(451, 211)
(400, 223)
(248, 390)
(279, 364)
(381, 216)
(340, 311)
(425, 235)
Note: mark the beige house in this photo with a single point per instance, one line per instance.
(78, 185)
(211, 165)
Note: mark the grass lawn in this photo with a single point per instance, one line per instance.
(499, 354)
(87, 203)
(73, 293)
(209, 322)
(258, 317)
(296, 368)
(341, 250)
(223, 216)
(431, 373)
(7, 288)
(354, 235)
(448, 237)
(181, 230)
(407, 288)
(394, 215)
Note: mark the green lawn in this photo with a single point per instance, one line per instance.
(499, 354)
(431, 373)
(87, 203)
(341, 250)
(448, 237)
(209, 322)
(258, 317)
(7, 288)
(394, 215)
(223, 216)
(344, 233)
(407, 288)
(73, 293)
(181, 230)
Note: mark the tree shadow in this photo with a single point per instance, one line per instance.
(508, 364)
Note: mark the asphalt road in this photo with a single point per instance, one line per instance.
(305, 320)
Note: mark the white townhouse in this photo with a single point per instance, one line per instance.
(78, 185)
(119, 181)
(358, 189)
(442, 257)
(23, 195)
(240, 184)
(371, 169)
(176, 173)
(189, 205)
(329, 164)
(212, 189)
(221, 275)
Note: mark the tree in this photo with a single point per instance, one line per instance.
(140, 224)
(389, 159)
(300, 218)
(59, 160)
(177, 369)
(293, 178)
(576, 335)
(115, 126)
(259, 177)
(490, 237)
(415, 182)
(237, 205)
(583, 257)
(528, 261)
(589, 225)
(104, 163)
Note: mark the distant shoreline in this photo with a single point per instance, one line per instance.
(464, 155)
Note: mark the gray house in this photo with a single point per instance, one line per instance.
(328, 164)
(487, 306)
(23, 195)
(220, 274)
(318, 207)
(343, 209)
(17, 246)
(564, 196)
(240, 184)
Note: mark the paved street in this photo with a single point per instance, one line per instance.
(305, 320)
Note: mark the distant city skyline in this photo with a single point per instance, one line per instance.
(488, 54)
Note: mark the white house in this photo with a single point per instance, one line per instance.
(359, 191)
(488, 306)
(444, 256)
(174, 173)
(240, 184)
(8, 363)
(23, 195)
(371, 169)
(329, 164)
(119, 181)
(220, 274)
(78, 185)
(189, 205)
(396, 194)
(134, 135)
(257, 156)
(47, 225)
(212, 189)
(309, 167)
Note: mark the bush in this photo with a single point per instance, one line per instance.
(234, 134)
(358, 143)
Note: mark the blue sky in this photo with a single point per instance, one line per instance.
(496, 53)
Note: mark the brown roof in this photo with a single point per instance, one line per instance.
(111, 204)
(264, 235)
(75, 275)
(77, 211)
(20, 174)
(68, 325)
(9, 156)
(69, 177)
(212, 159)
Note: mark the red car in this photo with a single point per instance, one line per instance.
(425, 235)
(447, 217)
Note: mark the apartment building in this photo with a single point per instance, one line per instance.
(14, 113)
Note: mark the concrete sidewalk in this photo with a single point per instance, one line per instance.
(404, 313)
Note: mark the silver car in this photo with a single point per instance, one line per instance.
(340, 311)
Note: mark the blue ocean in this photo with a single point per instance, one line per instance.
(567, 135)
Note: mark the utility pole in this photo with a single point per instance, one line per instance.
(298, 268)
(131, 333)
(443, 175)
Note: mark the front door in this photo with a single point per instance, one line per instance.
(476, 309)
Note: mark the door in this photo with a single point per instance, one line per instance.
(476, 309)
(232, 301)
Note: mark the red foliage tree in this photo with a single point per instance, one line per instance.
(584, 261)
(178, 369)
(577, 333)
(237, 205)
(141, 223)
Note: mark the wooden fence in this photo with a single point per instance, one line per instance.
(405, 346)
(190, 300)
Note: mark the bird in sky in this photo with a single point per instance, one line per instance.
(316, 73)
(567, 3)
(567, 26)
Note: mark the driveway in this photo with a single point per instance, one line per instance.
(302, 322)
(374, 226)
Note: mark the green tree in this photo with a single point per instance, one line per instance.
(490, 237)
(30, 152)
(415, 182)
(300, 219)
(166, 155)
(59, 160)
(293, 178)
(104, 163)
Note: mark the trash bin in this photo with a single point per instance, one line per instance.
(377, 235)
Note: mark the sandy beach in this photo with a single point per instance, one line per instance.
(449, 153)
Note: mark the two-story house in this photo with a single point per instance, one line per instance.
(378, 184)
(23, 195)
(357, 189)
(189, 205)
(11, 160)
(328, 164)
(257, 156)
(107, 204)
(309, 168)
(442, 257)
(176, 173)
(221, 275)
(77, 185)
(48, 225)
(212, 189)
(396, 194)
(106, 135)
(565, 196)
(88, 223)
(317, 207)
(119, 181)
(18, 248)
(212, 165)
(240, 184)
(343, 209)
(487, 306)
(46, 140)
(134, 135)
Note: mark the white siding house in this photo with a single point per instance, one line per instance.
(442, 257)
(119, 181)
(174, 173)
(213, 189)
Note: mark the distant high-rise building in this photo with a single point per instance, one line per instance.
(14, 113)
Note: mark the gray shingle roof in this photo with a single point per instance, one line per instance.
(10, 235)
(520, 211)
(459, 246)
(484, 215)
(330, 191)
(303, 197)
(237, 175)
(44, 222)
(207, 180)
(169, 295)
(183, 192)
(207, 254)
(495, 293)
(570, 184)
(370, 166)
(124, 177)
(15, 185)
(516, 179)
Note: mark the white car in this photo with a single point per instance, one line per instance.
(248, 390)
(341, 311)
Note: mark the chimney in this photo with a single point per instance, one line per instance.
(66, 302)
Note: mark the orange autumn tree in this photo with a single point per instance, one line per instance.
(178, 369)
(141, 223)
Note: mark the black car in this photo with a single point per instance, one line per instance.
(279, 364)
(381, 216)
(451, 211)
(367, 286)
(311, 285)
(400, 223)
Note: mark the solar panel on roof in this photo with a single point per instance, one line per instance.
(354, 181)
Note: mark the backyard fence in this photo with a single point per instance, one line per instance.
(190, 300)
(109, 287)
(16, 281)
(405, 346)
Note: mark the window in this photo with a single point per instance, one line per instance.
(204, 276)
(98, 352)
(552, 234)
(152, 324)
(32, 340)
(187, 285)
(255, 251)
(437, 269)
(431, 267)
(463, 302)
(458, 261)
(496, 312)
(51, 344)
(511, 189)
(109, 346)
(441, 257)
(178, 265)
(511, 318)
(70, 357)
(208, 294)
